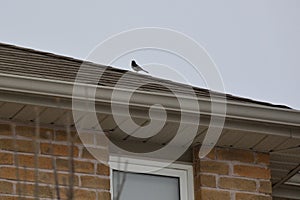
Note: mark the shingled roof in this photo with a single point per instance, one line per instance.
(32, 63)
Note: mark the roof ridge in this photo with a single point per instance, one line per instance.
(41, 52)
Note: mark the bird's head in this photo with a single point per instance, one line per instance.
(133, 63)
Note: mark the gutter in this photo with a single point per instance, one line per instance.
(46, 88)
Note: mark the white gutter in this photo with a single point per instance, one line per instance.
(235, 110)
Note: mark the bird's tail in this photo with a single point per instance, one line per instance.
(145, 71)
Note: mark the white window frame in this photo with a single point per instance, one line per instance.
(183, 171)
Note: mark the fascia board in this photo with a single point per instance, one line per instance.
(235, 110)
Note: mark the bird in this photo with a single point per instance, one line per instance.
(136, 67)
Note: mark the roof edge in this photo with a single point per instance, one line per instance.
(235, 110)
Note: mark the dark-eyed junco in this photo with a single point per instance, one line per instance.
(136, 67)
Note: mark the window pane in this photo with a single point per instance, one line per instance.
(146, 187)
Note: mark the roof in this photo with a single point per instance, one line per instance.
(32, 63)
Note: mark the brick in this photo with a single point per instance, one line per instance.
(245, 196)
(46, 133)
(84, 195)
(78, 194)
(6, 158)
(235, 155)
(58, 150)
(211, 155)
(5, 129)
(98, 154)
(95, 182)
(207, 194)
(7, 144)
(87, 138)
(42, 191)
(62, 179)
(237, 184)
(265, 187)
(3, 197)
(104, 196)
(15, 198)
(207, 180)
(103, 169)
(28, 161)
(18, 145)
(29, 175)
(79, 166)
(6, 188)
(86, 154)
(61, 135)
(214, 167)
(263, 158)
(30, 132)
(11, 173)
(25, 131)
(252, 172)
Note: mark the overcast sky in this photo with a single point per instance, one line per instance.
(254, 43)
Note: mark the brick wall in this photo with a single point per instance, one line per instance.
(231, 174)
(26, 175)
(226, 174)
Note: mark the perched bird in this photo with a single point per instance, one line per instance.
(136, 67)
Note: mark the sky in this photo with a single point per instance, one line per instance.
(254, 43)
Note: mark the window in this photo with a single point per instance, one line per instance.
(174, 182)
